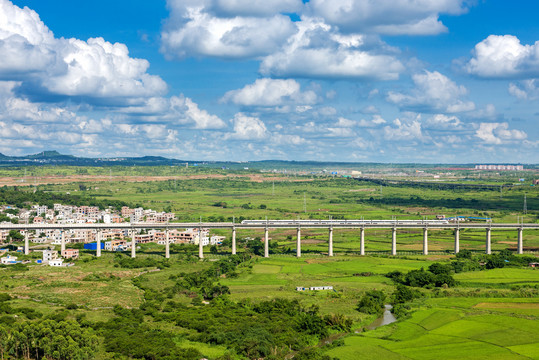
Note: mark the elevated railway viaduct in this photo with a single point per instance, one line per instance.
(266, 225)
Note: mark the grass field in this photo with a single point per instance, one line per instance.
(454, 325)
(491, 314)
(238, 197)
(441, 330)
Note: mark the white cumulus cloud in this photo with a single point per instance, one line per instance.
(525, 89)
(394, 17)
(433, 92)
(185, 111)
(409, 130)
(499, 133)
(193, 31)
(271, 92)
(442, 121)
(94, 68)
(503, 56)
(248, 128)
(317, 50)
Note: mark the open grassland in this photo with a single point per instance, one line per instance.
(484, 317)
(490, 314)
(461, 328)
(258, 195)
(224, 196)
(74, 285)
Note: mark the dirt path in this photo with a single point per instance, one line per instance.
(58, 179)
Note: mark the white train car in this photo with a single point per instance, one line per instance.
(343, 222)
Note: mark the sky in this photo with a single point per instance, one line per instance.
(395, 81)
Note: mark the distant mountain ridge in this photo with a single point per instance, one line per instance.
(53, 157)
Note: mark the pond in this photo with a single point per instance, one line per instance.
(385, 319)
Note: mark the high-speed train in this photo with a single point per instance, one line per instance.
(344, 222)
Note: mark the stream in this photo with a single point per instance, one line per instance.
(385, 319)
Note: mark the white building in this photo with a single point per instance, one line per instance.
(8, 260)
(56, 262)
(41, 209)
(217, 240)
(49, 255)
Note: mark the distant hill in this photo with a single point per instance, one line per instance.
(53, 157)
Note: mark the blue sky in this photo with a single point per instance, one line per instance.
(449, 81)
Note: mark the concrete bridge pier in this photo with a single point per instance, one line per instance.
(26, 243)
(488, 249)
(167, 245)
(457, 240)
(425, 241)
(394, 241)
(266, 243)
(200, 245)
(519, 241)
(298, 245)
(63, 244)
(330, 248)
(133, 244)
(362, 241)
(233, 241)
(98, 238)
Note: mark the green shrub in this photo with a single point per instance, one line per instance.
(372, 302)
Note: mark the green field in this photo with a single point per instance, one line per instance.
(490, 313)
(490, 324)
(236, 197)
(455, 329)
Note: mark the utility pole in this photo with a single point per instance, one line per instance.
(525, 210)
(273, 189)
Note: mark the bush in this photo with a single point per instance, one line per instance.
(372, 302)
(405, 294)
(419, 278)
(464, 254)
(438, 269)
(495, 263)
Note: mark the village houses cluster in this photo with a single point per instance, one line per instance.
(111, 239)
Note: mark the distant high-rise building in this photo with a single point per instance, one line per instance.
(500, 167)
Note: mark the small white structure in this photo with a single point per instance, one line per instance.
(321, 288)
(217, 240)
(8, 260)
(56, 262)
(314, 288)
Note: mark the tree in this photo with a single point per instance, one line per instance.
(464, 254)
(437, 269)
(494, 262)
(419, 278)
(372, 302)
(405, 294)
(15, 235)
